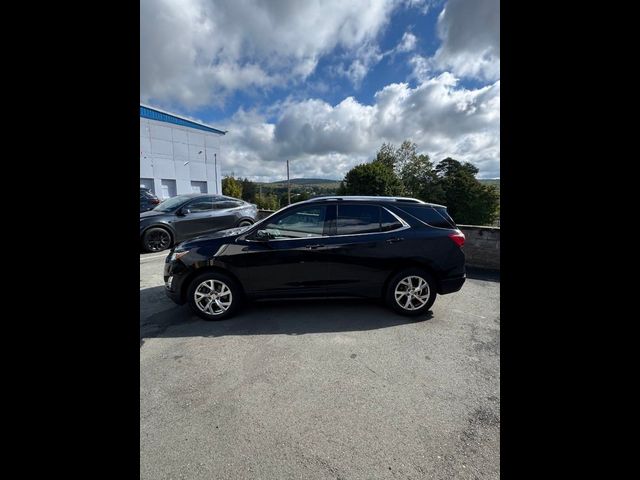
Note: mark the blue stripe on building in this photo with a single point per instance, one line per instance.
(146, 112)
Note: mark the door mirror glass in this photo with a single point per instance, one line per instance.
(264, 235)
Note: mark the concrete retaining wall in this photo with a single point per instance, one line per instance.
(481, 247)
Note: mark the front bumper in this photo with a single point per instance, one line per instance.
(176, 272)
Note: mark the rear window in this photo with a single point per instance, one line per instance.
(434, 216)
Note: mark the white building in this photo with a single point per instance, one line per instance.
(178, 155)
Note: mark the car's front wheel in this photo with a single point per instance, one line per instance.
(214, 296)
(245, 223)
(156, 239)
(411, 292)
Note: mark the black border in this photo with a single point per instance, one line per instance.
(74, 265)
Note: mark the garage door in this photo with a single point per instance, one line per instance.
(168, 188)
(199, 187)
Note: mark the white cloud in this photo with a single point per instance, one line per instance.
(366, 57)
(194, 52)
(470, 34)
(407, 43)
(323, 140)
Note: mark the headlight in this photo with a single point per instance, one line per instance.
(178, 255)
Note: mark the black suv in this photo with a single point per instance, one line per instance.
(401, 249)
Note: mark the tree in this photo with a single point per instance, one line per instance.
(375, 178)
(248, 190)
(267, 202)
(405, 154)
(417, 175)
(468, 201)
(231, 187)
(386, 155)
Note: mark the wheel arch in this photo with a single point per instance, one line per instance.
(168, 228)
(411, 264)
(184, 288)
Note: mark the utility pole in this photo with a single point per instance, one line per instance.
(215, 169)
(288, 185)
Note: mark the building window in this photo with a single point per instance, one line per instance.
(199, 187)
(168, 188)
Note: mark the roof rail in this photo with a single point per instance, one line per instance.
(365, 198)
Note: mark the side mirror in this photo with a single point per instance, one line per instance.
(263, 235)
(184, 211)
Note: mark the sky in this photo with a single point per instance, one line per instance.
(324, 83)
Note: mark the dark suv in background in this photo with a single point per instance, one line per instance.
(401, 249)
(187, 216)
(148, 200)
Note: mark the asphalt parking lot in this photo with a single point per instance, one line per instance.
(320, 389)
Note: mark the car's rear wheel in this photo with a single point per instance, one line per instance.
(245, 223)
(214, 296)
(411, 292)
(156, 239)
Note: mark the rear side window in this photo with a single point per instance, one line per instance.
(354, 219)
(229, 204)
(388, 222)
(434, 216)
(357, 219)
(201, 205)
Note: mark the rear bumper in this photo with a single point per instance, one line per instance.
(450, 285)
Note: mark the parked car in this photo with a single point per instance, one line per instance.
(148, 200)
(401, 249)
(187, 216)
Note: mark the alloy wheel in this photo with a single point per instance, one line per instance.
(412, 292)
(213, 297)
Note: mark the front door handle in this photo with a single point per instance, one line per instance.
(314, 247)
(394, 240)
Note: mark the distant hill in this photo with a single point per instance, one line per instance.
(304, 181)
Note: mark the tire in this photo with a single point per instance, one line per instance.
(204, 306)
(419, 301)
(156, 239)
(245, 223)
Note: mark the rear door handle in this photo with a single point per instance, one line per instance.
(394, 240)
(314, 247)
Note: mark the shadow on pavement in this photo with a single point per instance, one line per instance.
(483, 274)
(290, 317)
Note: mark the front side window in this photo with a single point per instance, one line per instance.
(172, 204)
(303, 222)
(201, 205)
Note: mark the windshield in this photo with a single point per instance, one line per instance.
(172, 203)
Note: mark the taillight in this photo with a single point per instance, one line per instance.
(155, 201)
(458, 238)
